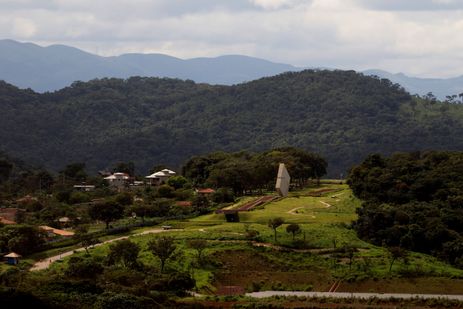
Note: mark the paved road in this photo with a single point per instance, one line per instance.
(352, 295)
(43, 264)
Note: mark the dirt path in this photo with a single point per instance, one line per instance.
(326, 204)
(45, 263)
(293, 211)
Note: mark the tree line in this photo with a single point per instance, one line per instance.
(245, 172)
(412, 201)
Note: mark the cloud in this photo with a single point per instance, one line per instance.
(411, 5)
(347, 34)
(23, 28)
(278, 4)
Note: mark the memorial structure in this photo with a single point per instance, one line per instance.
(283, 180)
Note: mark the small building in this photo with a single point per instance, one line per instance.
(206, 191)
(231, 215)
(84, 188)
(12, 258)
(11, 214)
(160, 177)
(183, 203)
(64, 221)
(28, 199)
(118, 180)
(53, 233)
(6, 221)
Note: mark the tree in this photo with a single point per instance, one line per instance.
(124, 198)
(83, 267)
(177, 182)
(142, 211)
(5, 170)
(124, 252)
(163, 247)
(199, 245)
(274, 224)
(23, 239)
(75, 171)
(86, 239)
(396, 253)
(107, 212)
(293, 228)
(165, 191)
(125, 167)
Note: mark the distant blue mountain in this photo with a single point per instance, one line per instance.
(27, 65)
(50, 68)
(439, 87)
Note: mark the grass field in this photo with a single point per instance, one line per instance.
(313, 261)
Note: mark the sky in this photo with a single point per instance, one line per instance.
(418, 37)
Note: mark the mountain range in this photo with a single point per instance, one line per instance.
(51, 68)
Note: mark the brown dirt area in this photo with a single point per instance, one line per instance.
(245, 268)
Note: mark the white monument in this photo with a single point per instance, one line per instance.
(283, 179)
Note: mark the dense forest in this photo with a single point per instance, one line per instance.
(341, 115)
(412, 201)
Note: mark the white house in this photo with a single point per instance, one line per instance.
(118, 180)
(160, 177)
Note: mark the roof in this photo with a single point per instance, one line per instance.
(46, 228)
(63, 232)
(10, 213)
(13, 255)
(121, 174)
(183, 203)
(164, 173)
(167, 171)
(26, 199)
(206, 191)
(56, 231)
(117, 176)
(6, 221)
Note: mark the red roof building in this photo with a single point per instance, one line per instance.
(206, 191)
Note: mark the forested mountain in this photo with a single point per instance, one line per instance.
(342, 115)
(50, 68)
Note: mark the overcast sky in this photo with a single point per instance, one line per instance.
(418, 37)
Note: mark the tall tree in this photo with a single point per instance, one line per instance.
(107, 212)
(124, 252)
(293, 228)
(199, 245)
(274, 224)
(163, 247)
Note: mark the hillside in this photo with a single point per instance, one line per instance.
(27, 65)
(342, 115)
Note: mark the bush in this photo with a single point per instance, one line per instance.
(78, 197)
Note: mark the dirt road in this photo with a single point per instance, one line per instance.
(45, 263)
(265, 294)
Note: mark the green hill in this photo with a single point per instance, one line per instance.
(342, 115)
